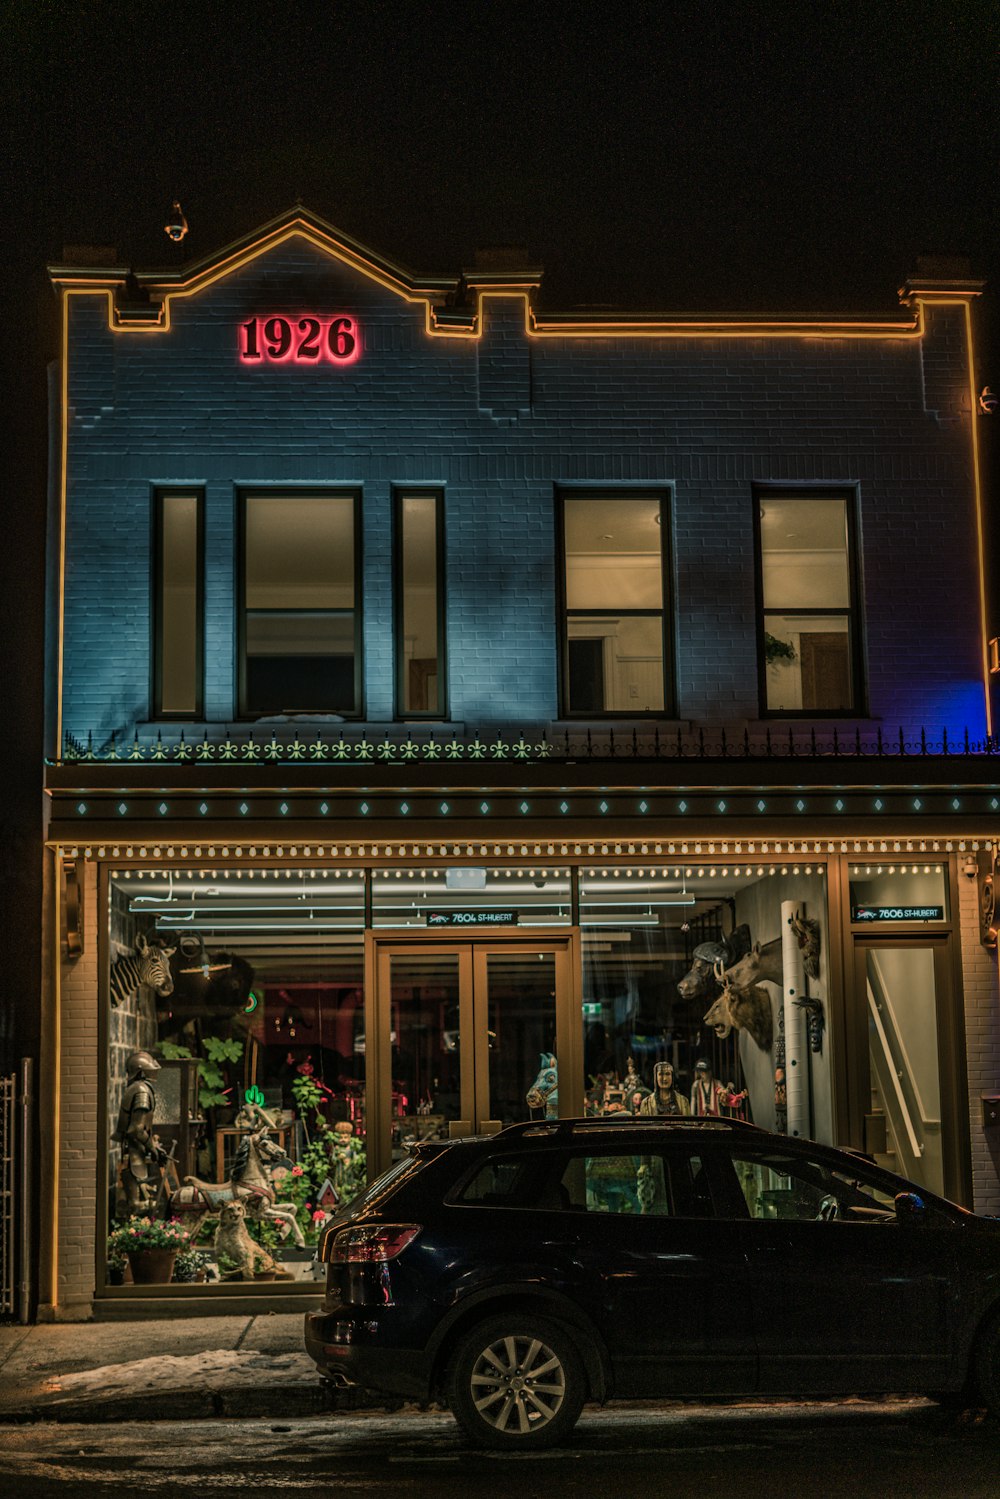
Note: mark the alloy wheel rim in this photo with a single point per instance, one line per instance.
(518, 1384)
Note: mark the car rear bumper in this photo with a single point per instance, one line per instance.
(349, 1351)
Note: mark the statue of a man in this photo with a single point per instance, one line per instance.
(140, 1148)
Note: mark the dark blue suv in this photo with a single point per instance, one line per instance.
(520, 1275)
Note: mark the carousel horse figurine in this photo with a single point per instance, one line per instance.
(249, 1182)
(544, 1091)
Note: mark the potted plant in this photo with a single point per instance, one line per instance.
(150, 1245)
(777, 651)
(191, 1265)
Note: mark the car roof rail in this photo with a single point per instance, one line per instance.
(563, 1128)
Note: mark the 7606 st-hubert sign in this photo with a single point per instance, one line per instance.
(305, 340)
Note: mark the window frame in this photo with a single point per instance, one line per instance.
(854, 612)
(663, 495)
(400, 712)
(160, 493)
(296, 491)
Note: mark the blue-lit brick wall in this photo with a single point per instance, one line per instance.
(500, 425)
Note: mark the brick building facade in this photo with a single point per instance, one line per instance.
(775, 678)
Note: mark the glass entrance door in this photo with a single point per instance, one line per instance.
(908, 1073)
(468, 1038)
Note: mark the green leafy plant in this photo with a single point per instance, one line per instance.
(267, 1235)
(210, 1094)
(190, 1263)
(217, 1051)
(137, 1234)
(777, 650)
(309, 1095)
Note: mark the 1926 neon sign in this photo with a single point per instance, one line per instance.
(304, 340)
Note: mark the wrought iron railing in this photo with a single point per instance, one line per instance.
(567, 746)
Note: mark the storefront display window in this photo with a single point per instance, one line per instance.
(235, 1063)
(911, 893)
(683, 977)
(450, 899)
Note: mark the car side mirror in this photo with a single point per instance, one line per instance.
(909, 1208)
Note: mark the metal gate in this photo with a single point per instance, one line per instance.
(8, 1147)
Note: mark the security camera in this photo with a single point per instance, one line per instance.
(970, 867)
(177, 225)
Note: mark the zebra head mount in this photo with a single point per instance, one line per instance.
(146, 965)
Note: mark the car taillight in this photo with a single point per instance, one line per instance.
(373, 1245)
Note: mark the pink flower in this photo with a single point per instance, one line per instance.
(318, 1216)
(296, 1170)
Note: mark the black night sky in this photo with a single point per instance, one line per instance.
(689, 156)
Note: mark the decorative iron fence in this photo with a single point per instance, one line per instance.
(567, 746)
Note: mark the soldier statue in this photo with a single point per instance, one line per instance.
(141, 1149)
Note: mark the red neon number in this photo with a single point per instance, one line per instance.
(305, 340)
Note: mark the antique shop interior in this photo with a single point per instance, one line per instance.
(275, 1035)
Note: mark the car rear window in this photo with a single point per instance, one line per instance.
(510, 1181)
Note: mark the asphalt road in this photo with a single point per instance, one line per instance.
(885, 1451)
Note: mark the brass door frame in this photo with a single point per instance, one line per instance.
(955, 1144)
(473, 947)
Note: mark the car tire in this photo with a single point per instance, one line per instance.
(516, 1383)
(986, 1365)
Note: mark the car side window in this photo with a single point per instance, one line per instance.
(798, 1189)
(664, 1185)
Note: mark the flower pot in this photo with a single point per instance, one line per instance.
(152, 1267)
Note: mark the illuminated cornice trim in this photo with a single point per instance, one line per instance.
(441, 321)
(977, 480)
(505, 849)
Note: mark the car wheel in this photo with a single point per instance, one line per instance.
(516, 1382)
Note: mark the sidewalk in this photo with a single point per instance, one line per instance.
(190, 1368)
(162, 1370)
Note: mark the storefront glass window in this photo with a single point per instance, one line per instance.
(236, 1056)
(450, 899)
(663, 1033)
(910, 893)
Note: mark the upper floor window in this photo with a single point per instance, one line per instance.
(808, 603)
(299, 645)
(178, 641)
(418, 536)
(615, 654)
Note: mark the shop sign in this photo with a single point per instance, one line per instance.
(299, 340)
(472, 918)
(898, 913)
